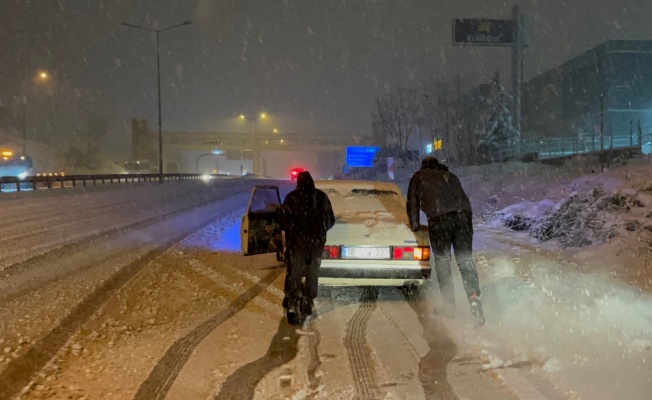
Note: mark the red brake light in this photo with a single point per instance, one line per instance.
(331, 252)
(420, 253)
(295, 171)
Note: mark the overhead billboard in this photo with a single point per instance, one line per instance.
(484, 32)
(361, 156)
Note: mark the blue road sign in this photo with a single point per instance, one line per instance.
(361, 156)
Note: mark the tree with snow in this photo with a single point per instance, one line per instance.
(396, 117)
(500, 140)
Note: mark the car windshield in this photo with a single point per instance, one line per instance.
(488, 163)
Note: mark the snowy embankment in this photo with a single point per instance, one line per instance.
(602, 221)
(565, 262)
(570, 289)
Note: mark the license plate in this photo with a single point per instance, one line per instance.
(366, 253)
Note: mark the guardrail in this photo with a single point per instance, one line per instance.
(549, 148)
(61, 181)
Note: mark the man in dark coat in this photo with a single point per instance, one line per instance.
(439, 194)
(306, 216)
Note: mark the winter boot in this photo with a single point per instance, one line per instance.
(294, 312)
(476, 310)
(294, 319)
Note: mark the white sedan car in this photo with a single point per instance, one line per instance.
(371, 243)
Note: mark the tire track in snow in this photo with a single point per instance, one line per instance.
(162, 377)
(16, 375)
(433, 365)
(313, 347)
(357, 348)
(284, 347)
(74, 246)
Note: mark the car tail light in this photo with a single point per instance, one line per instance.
(402, 253)
(331, 252)
(419, 253)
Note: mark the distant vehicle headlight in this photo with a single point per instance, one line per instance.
(22, 175)
(206, 177)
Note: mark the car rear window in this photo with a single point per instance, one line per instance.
(368, 203)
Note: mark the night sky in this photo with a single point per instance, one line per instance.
(314, 66)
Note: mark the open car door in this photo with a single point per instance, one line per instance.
(260, 232)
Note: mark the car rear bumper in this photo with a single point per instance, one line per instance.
(335, 276)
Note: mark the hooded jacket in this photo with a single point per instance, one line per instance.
(306, 214)
(436, 191)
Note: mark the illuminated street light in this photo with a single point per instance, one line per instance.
(43, 79)
(158, 73)
(243, 117)
(261, 116)
(275, 130)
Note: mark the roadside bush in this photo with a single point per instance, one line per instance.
(517, 222)
(573, 224)
(580, 220)
(616, 202)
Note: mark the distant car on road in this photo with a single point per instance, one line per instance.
(14, 165)
(294, 173)
(371, 243)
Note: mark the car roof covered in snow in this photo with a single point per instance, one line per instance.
(344, 186)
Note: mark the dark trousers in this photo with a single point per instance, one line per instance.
(301, 280)
(453, 229)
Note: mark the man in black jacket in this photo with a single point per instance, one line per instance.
(439, 193)
(306, 216)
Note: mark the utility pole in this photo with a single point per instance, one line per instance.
(517, 66)
(23, 124)
(602, 132)
(158, 74)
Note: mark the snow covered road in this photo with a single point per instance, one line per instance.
(171, 310)
(62, 261)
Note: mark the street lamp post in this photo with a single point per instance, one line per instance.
(158, 75)
(23, 126)
(254, 149)
(42, 78)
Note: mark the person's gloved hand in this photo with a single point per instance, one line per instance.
(414, 227)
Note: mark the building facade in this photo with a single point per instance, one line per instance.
(606, 90)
